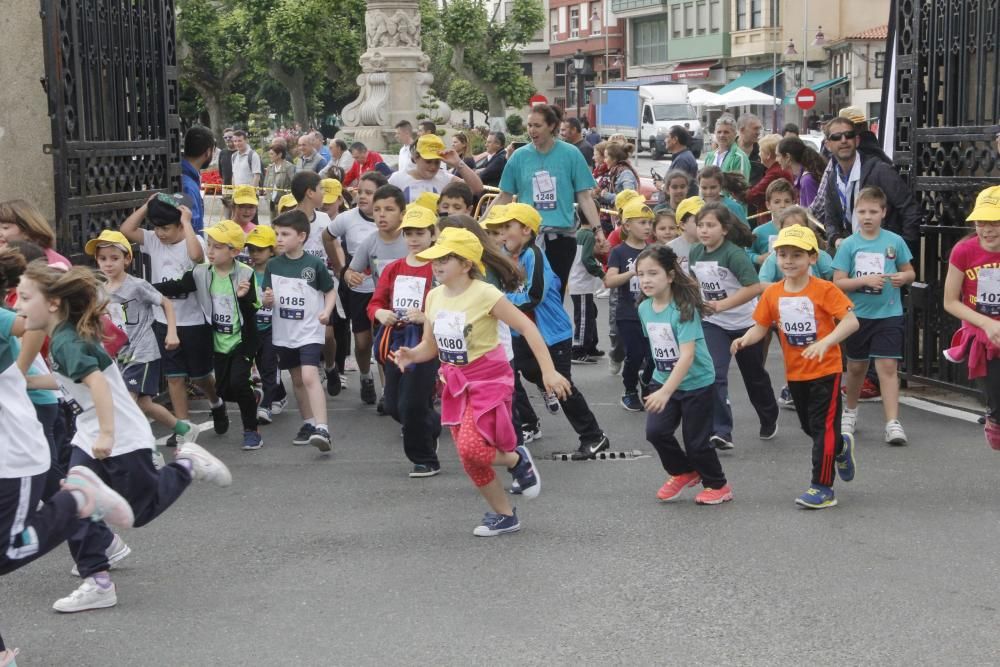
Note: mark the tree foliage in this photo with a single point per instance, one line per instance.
(464, 95)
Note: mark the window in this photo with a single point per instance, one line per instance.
(702, 9)
(715, 15)
(647, 115)
(775, 13)
(527, 69)
(675, 21)
(879, 64)
(563, 23)
(595, 19)
(559, 67)
(741, 14)
(554, 24)
(756, 13)
(689, 19)
(649, 40)
(508, 9)
(574, 22)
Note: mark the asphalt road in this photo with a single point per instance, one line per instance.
(344, 560)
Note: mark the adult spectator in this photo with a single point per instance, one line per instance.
(426, 174)
(460, 144)
(727, 156)
(364, 161)
(868, 143)
(591, 134)
(247, 169)
(491, 167)
(426, 127)
(621, 174)
(404, 135)
(340, 158)
(749, 127)
(756, 196)
(678, 145)
(226, 170)
(805, 165)
(199, 146)
(790, 130)
(853, 171)
(572, 133)
(278, 175)
(319, 143)
(309, 158)
(551, 175)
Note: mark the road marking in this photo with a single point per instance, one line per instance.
(938, 409)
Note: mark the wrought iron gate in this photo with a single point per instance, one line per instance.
(947, 105)
(111, 79)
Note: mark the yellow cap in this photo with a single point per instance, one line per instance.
(262, 236)
(853, 114)
(245, 194)
(624, 197)
(797, 236)
(428, 200)
(987, 206)
(525, 214)
(689, 206)
(456, 241)
(286, 202)
(637, 209)
(429, 147)
(497, 215)
(418, 217)
(332, 189)
(227, 232)
(109, 237)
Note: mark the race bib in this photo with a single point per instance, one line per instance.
(290, 297)
(710, 278)
(988, 292)
(264, 315)
(543, 187)
(869, 264)
(223, 313)
(633, 286)
(116, 311)
(408, 292)
(664, 346)
(798, 320)
(449, 332)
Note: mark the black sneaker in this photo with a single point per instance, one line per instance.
(302, 437)
(768, 431)
(530, 433)
(422, 470)
(631, 402)
(380, 406)
(333, 385)
(589, 450)
(581, 357)
(171, 441)
(220, 420)
(721, 443)
(368, 396)
(596, 354)
(320, 439)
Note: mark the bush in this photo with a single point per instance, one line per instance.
(515, 125)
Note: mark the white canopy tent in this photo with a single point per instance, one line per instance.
(744, 97)
(699, 97)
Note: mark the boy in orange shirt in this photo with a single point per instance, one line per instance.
(813, 316)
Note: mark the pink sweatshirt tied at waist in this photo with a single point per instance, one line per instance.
(487, 385)
(971, 344)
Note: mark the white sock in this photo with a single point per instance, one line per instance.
(322, 427)
(367, 375)
(311, 421)
(217, 403)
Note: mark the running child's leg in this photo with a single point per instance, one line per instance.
(660, 432)
(855, 378)
(888, 378)
(718, 342)
(301, 394)
(314, 394)
(757, 381)
(630, 336)
(697, 408)
(578, 320)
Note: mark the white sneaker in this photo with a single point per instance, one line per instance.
(614, 367)
(190, 436)
(88, 596)
(279, 406)
(848, 421)
(8, 658)
(116, 553)
(894, 433)
(204, 465)
(101, 502)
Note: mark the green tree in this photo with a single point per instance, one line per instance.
(464, 95)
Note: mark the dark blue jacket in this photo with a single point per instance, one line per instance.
(191, 186)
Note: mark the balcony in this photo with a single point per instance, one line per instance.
(757, 42)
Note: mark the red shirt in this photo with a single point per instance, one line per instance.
(969, 257)
(756, 196)
(357, 169)
(385, 289)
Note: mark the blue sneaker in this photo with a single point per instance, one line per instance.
(252, 440)
(817, 497)
(631, 402)
(785, 399)
(526, 475)
(302, 437)
(845, 459)
(497, 524)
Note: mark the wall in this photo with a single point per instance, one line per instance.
(25, 171)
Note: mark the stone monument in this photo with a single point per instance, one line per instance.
(394, 77)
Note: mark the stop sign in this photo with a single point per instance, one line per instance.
(538, 98)
(805, 99)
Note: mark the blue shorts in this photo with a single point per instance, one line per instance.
(143, 379)
(193, 358)
(876, 339)
(307, 355)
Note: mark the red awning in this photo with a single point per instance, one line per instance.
(695, 70)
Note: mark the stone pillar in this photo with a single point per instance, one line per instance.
(25, 171)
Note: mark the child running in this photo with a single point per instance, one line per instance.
(779, 195)
(585, 277)
(813, 316)
(685, 215)
(972, 294)
(478, 381)
(397, 305)
(261, 244)
(113, 441)
(664, 226)
(683, 377)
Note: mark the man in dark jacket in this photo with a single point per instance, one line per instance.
(490, 168)
(678, 145)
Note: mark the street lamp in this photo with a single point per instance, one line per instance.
(579, 63)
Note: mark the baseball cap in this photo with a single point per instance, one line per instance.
(497, 215)
(262, 236)
(797, 236)
(624, 197)
(525, 214)
(332, 189)
(691, 205)
(227, 232)
(637, 209)
(109, 237)
(853, 114)
(987, 206)
(245, 194)
(286, 202)
(161, 213)
(456, 241)
(418, 217)
(428, 200)
(429, 147)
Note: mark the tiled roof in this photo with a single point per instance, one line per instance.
(878, 32)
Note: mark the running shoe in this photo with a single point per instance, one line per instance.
(714, 496)
(220, 420)
(631, 402)
(264, 416)
(894, 433)
(581, 357)
(870, 391)
(8, 658)
(252, 441)
(845, 459)
(530, 433)
(992, 432)
(204, 465)
(320, 439)
(333, 385)
(423, 470)
(595, 354)
(589, 450)
(302, 437)
(101, 502)
(526, 475)
(368, 395)
(380, 406)
(817, 497)
(258, 395)
(115, 554)
(848, 421)
(497, 524)
(191, 436)
(88, 596)
(785, 399)
(721, 443)
(551, 402)
(279, 406)
(677, 483)
(614, 365)
(171, 441)
(768, 431)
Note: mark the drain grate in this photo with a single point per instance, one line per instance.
(627, 455)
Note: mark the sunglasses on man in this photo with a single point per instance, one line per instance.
(837, 136)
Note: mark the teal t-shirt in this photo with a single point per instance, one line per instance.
(763, 236)
(736, 207)
(666, 333)
(37, 396)
(858, 257)
(225, 314)
(549, 182)
(770, 273)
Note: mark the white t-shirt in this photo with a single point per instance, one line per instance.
(405, 159)
(353, 229)
(681, 248)
(245, 165)
(170, 262)
(414, 187)
(314, 244)
(25, 451)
